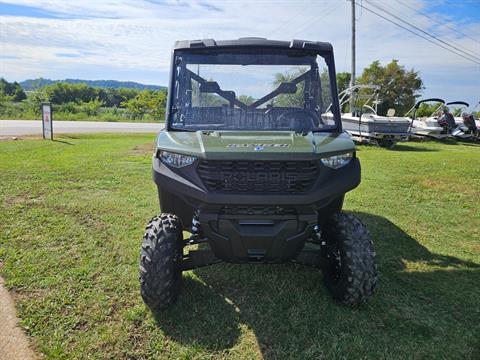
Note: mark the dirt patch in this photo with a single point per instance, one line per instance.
(10, 138)
(434, 184)
(443, 186)
(22, 199)
(14, 343)
(81, 216)
(142, 149)
(91, 221)
(17, 138)
(14, 200)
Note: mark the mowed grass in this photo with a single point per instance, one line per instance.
(71, 220)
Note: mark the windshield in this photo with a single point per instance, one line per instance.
(239, 90)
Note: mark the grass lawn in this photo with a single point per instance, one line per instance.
(72, 214)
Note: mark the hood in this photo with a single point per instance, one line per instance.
(246, 145)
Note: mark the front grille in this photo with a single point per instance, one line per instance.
(258, 176)
(257, 210)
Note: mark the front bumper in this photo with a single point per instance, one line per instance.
(269, 228)
(253, 238)
(187, 184)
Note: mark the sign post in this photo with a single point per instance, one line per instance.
(47, 121)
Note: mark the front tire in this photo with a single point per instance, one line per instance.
(350, 270)
(160, 259)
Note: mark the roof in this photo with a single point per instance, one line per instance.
(253, 42)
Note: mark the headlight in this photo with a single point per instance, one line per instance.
(176, 160)
(337, 161)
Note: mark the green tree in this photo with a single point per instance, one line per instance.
(34, 101)
(149, 102)
(13, 91)
(60, 93)
(343, 81)
(323, 97)
(115, 97)
(3, 102)
(398, 87)
(456, 111)
(290, 100)
(246, 99)
(90, 107)
(426, 109)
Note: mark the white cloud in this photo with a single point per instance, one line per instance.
(132, 39)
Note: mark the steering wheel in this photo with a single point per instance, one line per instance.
(295, 117)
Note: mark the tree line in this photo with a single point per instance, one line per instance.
(34, 84)
(74, 101)
(399, 89)
(11, 91)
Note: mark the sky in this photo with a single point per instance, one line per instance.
(132, 40)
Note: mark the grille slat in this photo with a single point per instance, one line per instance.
(257, 210)
(258, 176)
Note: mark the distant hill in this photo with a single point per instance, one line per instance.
(33, 84)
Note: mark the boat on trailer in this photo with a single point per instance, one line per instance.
(477, 121)
(428, 126)
(467, 126)
(364, 125)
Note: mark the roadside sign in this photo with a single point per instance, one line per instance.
(47, 121)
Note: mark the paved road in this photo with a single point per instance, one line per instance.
(34, 127)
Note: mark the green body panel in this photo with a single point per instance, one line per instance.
(246, 145)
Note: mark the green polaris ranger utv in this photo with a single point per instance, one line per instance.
(249, 165)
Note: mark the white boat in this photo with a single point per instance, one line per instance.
(428, 126)
(461, 107)
(467, 126)
(365, 125)
(477, 121)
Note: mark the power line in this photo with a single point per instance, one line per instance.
(469, 54)
(306, 21)
(291, 20)
(305, 26)
(436, 21)
(419, 35)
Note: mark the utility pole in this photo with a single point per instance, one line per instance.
(352, 80)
